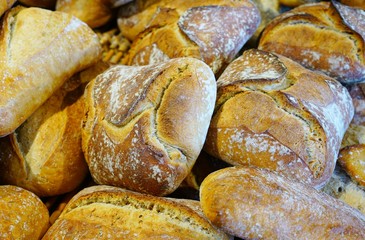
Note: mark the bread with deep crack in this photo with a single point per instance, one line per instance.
(273, 113)
(334, 42)
(146, 125)
(116, 213)
(212, 31)
(254, 203)
(40, 49)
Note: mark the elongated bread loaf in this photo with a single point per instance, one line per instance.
(115, 213)
(254, 203)
(273, 113)
(40, 50)
(326, 36)
(145, 126)
(23, 215)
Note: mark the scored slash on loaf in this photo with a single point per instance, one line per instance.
(146, 125)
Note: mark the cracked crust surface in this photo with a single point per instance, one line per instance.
(273, 113)
(116, 213)
(145, 126)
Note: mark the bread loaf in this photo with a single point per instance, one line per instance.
(352, 160)
(23, 216)
(145, 126)
(114, 213)
(325, 36)
(94, 13)
(44, 154)
(273, 113)
(253, 203)
(40, 50)
(212, 31)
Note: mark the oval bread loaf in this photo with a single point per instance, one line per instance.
(114, 213)
(145, 126)
(253, 203)
(273, 113)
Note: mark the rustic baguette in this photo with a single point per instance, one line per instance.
(254, 203)
(40, 50)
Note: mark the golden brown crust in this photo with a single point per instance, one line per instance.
(296, 3)
(5, 5)
(273, 113)
(253, 203)
(145, 126)
(213, 31)
(50, 4)
(354, 3)
(44, 154)
(22, 214)
(94, 13)
(340, 27)
(352, 160)
(118, 213)
(58, 46)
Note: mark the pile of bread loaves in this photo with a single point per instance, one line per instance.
(182, 119)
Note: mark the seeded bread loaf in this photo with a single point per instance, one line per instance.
(273, 113)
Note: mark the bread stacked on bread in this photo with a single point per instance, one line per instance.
(273, 113)
(212, 31)
(189, 102)
(58, 46)
(325, 36)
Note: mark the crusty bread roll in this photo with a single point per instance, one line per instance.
(5, 5)
(325, 36)
(352, 160)
(273, 113)
(22, 214)
(253, 203)
(145, 126)
(40, 50)
(213, 31)
(44, 154)
(94, 13)
(115, 213)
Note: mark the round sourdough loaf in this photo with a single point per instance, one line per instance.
(106, 212)
(273, 113)
(210, 30)
(145, 126)
(23, 215)
(253, 203)
(326, 36)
